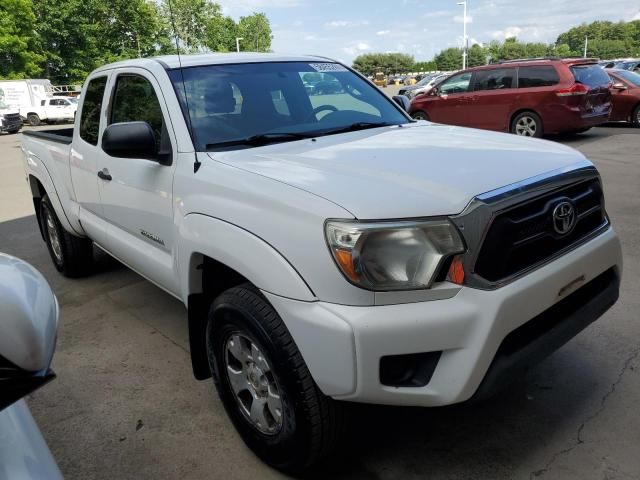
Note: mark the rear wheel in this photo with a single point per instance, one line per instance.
(420, 115)
(33, 119)
(527, 124)
(265, 386)
(71, 255)
(636, 117)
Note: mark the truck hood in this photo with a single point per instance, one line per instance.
(416, 170)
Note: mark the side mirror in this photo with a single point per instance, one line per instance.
(619, 86)
(29, 313)
(403, 101)
(130, 140)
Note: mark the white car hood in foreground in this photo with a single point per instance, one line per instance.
(417, 170)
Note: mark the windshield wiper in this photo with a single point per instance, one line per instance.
(262, 139)
(354, 127)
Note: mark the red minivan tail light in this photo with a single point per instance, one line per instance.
(575, 90)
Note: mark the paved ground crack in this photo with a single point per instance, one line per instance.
(579, 440)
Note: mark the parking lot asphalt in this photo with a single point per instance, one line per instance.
(125, 404)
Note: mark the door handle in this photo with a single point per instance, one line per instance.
(105, 175)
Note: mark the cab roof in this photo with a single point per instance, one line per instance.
(173, 61)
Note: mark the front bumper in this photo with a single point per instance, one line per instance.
(6, 126)
(343, 345)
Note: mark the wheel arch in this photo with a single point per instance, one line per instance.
(214, 256)
(523, 110)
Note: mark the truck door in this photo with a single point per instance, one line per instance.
(137, 194)
(86, 137)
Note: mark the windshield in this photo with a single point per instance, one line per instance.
(231, 105)
(425, 80)
(631, 77)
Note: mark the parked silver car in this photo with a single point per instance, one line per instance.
(29, 321)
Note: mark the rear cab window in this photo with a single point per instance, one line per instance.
(538, 76)
(91, 108)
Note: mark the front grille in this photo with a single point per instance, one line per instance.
(524, 236)
(12, 117)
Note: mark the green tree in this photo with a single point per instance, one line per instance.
(18, 56)
(221, 34)
(370, 63)
(449, 59)
(429, 66)
(191, 19)
(606, 39)
(255, 32)
(477, 55)
(77, 36)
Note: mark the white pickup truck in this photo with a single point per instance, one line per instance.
(327, 247)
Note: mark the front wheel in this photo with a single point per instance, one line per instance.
(33, 119)
(527, 124)
(265, 386)
(71, 255)
(420, 115)
(636, 117)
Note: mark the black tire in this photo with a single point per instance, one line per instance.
(527, 124)
(311, 423)
(583, 130)
(420, 115)
(72, 256)
(13, 132)
(635, 118)
(33, 119)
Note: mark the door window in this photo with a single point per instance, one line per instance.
(456, 84)
(498, 79)
(541, 76)
(91, 107)
(134, 100)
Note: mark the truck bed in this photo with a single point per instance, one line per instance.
(58, 135)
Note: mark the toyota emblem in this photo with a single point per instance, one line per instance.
(564, 218)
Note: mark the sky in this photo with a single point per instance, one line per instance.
(343, 29)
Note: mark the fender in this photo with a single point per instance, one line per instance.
(239, 249)
(37, 169)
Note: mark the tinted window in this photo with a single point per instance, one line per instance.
(231, 103)
(91, 106)
(134, 100)
(498, 79)
(456, 84)
(631, 77)
(542, 76)
(590, 75)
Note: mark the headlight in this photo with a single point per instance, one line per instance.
(392, 255)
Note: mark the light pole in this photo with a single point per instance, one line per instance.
(238, 43)
(464, 34)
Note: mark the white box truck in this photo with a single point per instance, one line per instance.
(34, 100)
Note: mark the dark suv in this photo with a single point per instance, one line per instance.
(525, 97)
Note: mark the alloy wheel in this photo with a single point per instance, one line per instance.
(526, 126)
(253, 384)
(54, 238)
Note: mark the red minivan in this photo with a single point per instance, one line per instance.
(525, 97)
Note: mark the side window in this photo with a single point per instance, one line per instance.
(497, 79)
(91, 106)
(43, 103)
(542, 76)
(456, 84)
(134, 100)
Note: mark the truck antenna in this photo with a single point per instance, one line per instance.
(196, 163)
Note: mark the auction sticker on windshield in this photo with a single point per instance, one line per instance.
(328, 67)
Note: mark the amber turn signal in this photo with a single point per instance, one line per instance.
(456, 271)
(345, 260)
